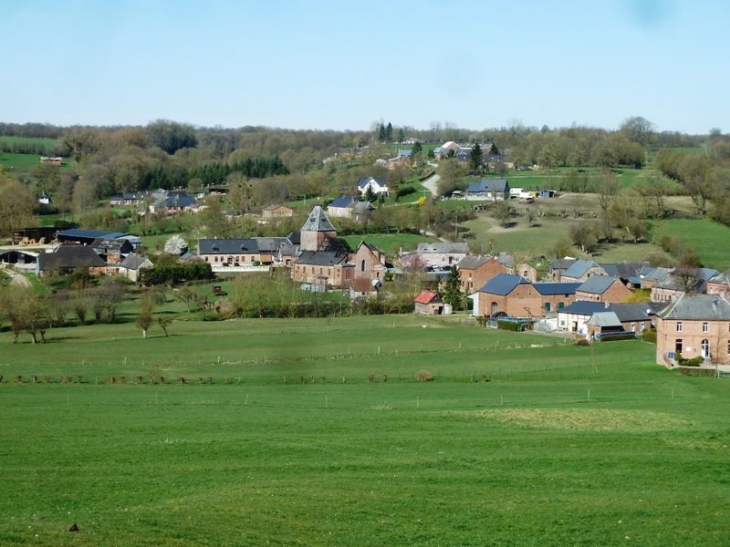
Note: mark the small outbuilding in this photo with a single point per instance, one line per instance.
(429, 303)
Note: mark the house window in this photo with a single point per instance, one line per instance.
(705, 327)
(679, 326)
(678, 345)
(547, 306)
(633, 327)
(362, 265)
(728, 347)
(561, 305)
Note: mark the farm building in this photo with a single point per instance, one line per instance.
(429, 303)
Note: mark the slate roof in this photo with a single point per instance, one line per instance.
(722, 278)
(547, 289)
(597, 284)
(317, 221)
(228, 246)
(579, 268)
(69, 257)
(443, 247)
(88, 234)
(503, 284)
(562, 263)
(604, 319)
(472, 262)
(344, 202)
(109, 244)
(322, 258)
(658, 274)
(623, 270)
(631, 311)
(583, 307)
(271, 244)
(133, 261)
(180, 199)
(697, 307)
(425, 297)
(488, 186)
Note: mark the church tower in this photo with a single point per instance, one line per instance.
(316, 230)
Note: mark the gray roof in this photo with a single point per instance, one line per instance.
(111, 244)
(227, 246)
(604, 319)
(488, 186)
(344, 202)
(134, 261)
(317, 221)
(597, 284)
(722, 278)
(562, 263)
(623, 270)
(697, 307)
(631, 311)
(503, 284)
(584, 307)
(556, 288)
(658, 274)
(69, 257)
(443, 247)
(579, 268)
(471, 262)
(322, 258)
(252, 245)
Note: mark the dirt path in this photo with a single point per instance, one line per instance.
(18, 279)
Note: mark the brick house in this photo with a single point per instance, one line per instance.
(515, 296)
(696, 325)
(603, 288)
(475, 271)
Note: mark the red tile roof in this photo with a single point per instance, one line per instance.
(425, 297)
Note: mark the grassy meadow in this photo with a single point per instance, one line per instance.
(287, 432)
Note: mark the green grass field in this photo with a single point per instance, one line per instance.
(710, 239)
(563, 446)
(37, 141)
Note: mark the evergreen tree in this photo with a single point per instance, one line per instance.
(452, 289)
(401, 135)
(389, 132)
(475, 158)
(381, 133)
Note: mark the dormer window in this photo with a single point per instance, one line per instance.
(216, 248)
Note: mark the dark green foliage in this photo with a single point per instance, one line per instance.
(503, 324)
(649, 335)
(618, 336)
(475, 158)
(404, 191)
(172, 136)
(452, 290)
(692, 362)
(176, 273)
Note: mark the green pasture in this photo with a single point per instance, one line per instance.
(287, 432)
(17, 163)
(37, 141)
(710, 239)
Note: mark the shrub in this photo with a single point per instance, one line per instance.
(649, 335)
(424, 376)
(503, 324)
(582, 342)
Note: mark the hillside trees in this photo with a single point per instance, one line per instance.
(171, 136)
(16, 205)
(452, 174)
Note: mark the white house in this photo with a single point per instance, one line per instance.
(378, 186)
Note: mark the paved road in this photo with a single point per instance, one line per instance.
(431, 184)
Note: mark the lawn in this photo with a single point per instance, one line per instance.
(710, 239)
(291, 443)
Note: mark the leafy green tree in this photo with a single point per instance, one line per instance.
(171, 136)
(16, 206)
(452, 173)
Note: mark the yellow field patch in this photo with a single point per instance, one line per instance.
(589, 419)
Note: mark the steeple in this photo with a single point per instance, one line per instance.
(316, 230)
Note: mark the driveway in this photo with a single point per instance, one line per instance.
(18, 279)
(431, 184)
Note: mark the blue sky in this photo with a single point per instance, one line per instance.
(311, 64)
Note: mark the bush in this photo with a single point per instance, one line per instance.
(582, 343)
(424, 376)
(514, 326)
(649, 335)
